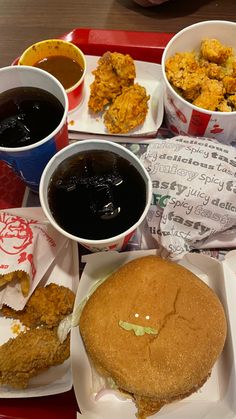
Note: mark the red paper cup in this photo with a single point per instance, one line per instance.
(181, 116)
(43, 50)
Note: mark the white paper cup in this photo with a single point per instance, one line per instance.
(117, 242)
(181, 116)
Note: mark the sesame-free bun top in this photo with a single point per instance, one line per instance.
(186, 320)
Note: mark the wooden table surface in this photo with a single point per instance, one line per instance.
(23, 22)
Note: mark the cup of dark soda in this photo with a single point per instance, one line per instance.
(97, 193)
(33, 120)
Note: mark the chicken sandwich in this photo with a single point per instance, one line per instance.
(155, 329)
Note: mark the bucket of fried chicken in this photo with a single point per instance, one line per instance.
(199, 72)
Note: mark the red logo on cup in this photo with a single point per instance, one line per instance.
(178, 112)
(216, 129)
(198, 123)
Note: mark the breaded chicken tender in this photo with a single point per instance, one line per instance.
(211, 95)
(114, 72)
(47, 306)
(128, 110)
(29, 354)
(212, 50)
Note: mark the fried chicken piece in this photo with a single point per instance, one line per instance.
(233, 68)
(29, 354)
(128, 110)
(207, 78)
(178, 64)
(114, 72)
(185, 74)
(47, 306)
(212, 70)
(232, 102)
(212, 50)
(229, 84)
(224, 106)
(212, 94)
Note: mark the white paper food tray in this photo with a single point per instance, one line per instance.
(148, 75)
(215, 400)
(64, 271)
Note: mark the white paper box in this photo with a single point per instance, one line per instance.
(57, 379)
(215, 400)
(148, 75)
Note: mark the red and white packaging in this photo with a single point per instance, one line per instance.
(215, 399)
(183, 117)
(27, 243)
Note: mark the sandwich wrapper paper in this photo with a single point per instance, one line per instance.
(27, 243)
(194, 194)
(216, 398)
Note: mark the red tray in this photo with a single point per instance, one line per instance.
(145, 46)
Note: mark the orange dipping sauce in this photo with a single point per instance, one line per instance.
(65, 69)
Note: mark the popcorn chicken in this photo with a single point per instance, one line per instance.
(229, 84)
(232, 101)
(211, 96)
(179, 64)
(184, 72)
(224, 106)
(207, 78)
(213, 51)
(212, 70)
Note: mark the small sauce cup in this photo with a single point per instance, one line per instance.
(63, 60)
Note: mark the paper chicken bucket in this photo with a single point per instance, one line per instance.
(184, 116)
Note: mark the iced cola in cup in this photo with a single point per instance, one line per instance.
(97, 193)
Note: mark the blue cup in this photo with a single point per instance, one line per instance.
(29, 161)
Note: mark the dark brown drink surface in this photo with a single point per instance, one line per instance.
(96, 195)
(65, 69)
(27, 115)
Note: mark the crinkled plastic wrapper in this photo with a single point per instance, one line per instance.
(28, 247)
(194, 193)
